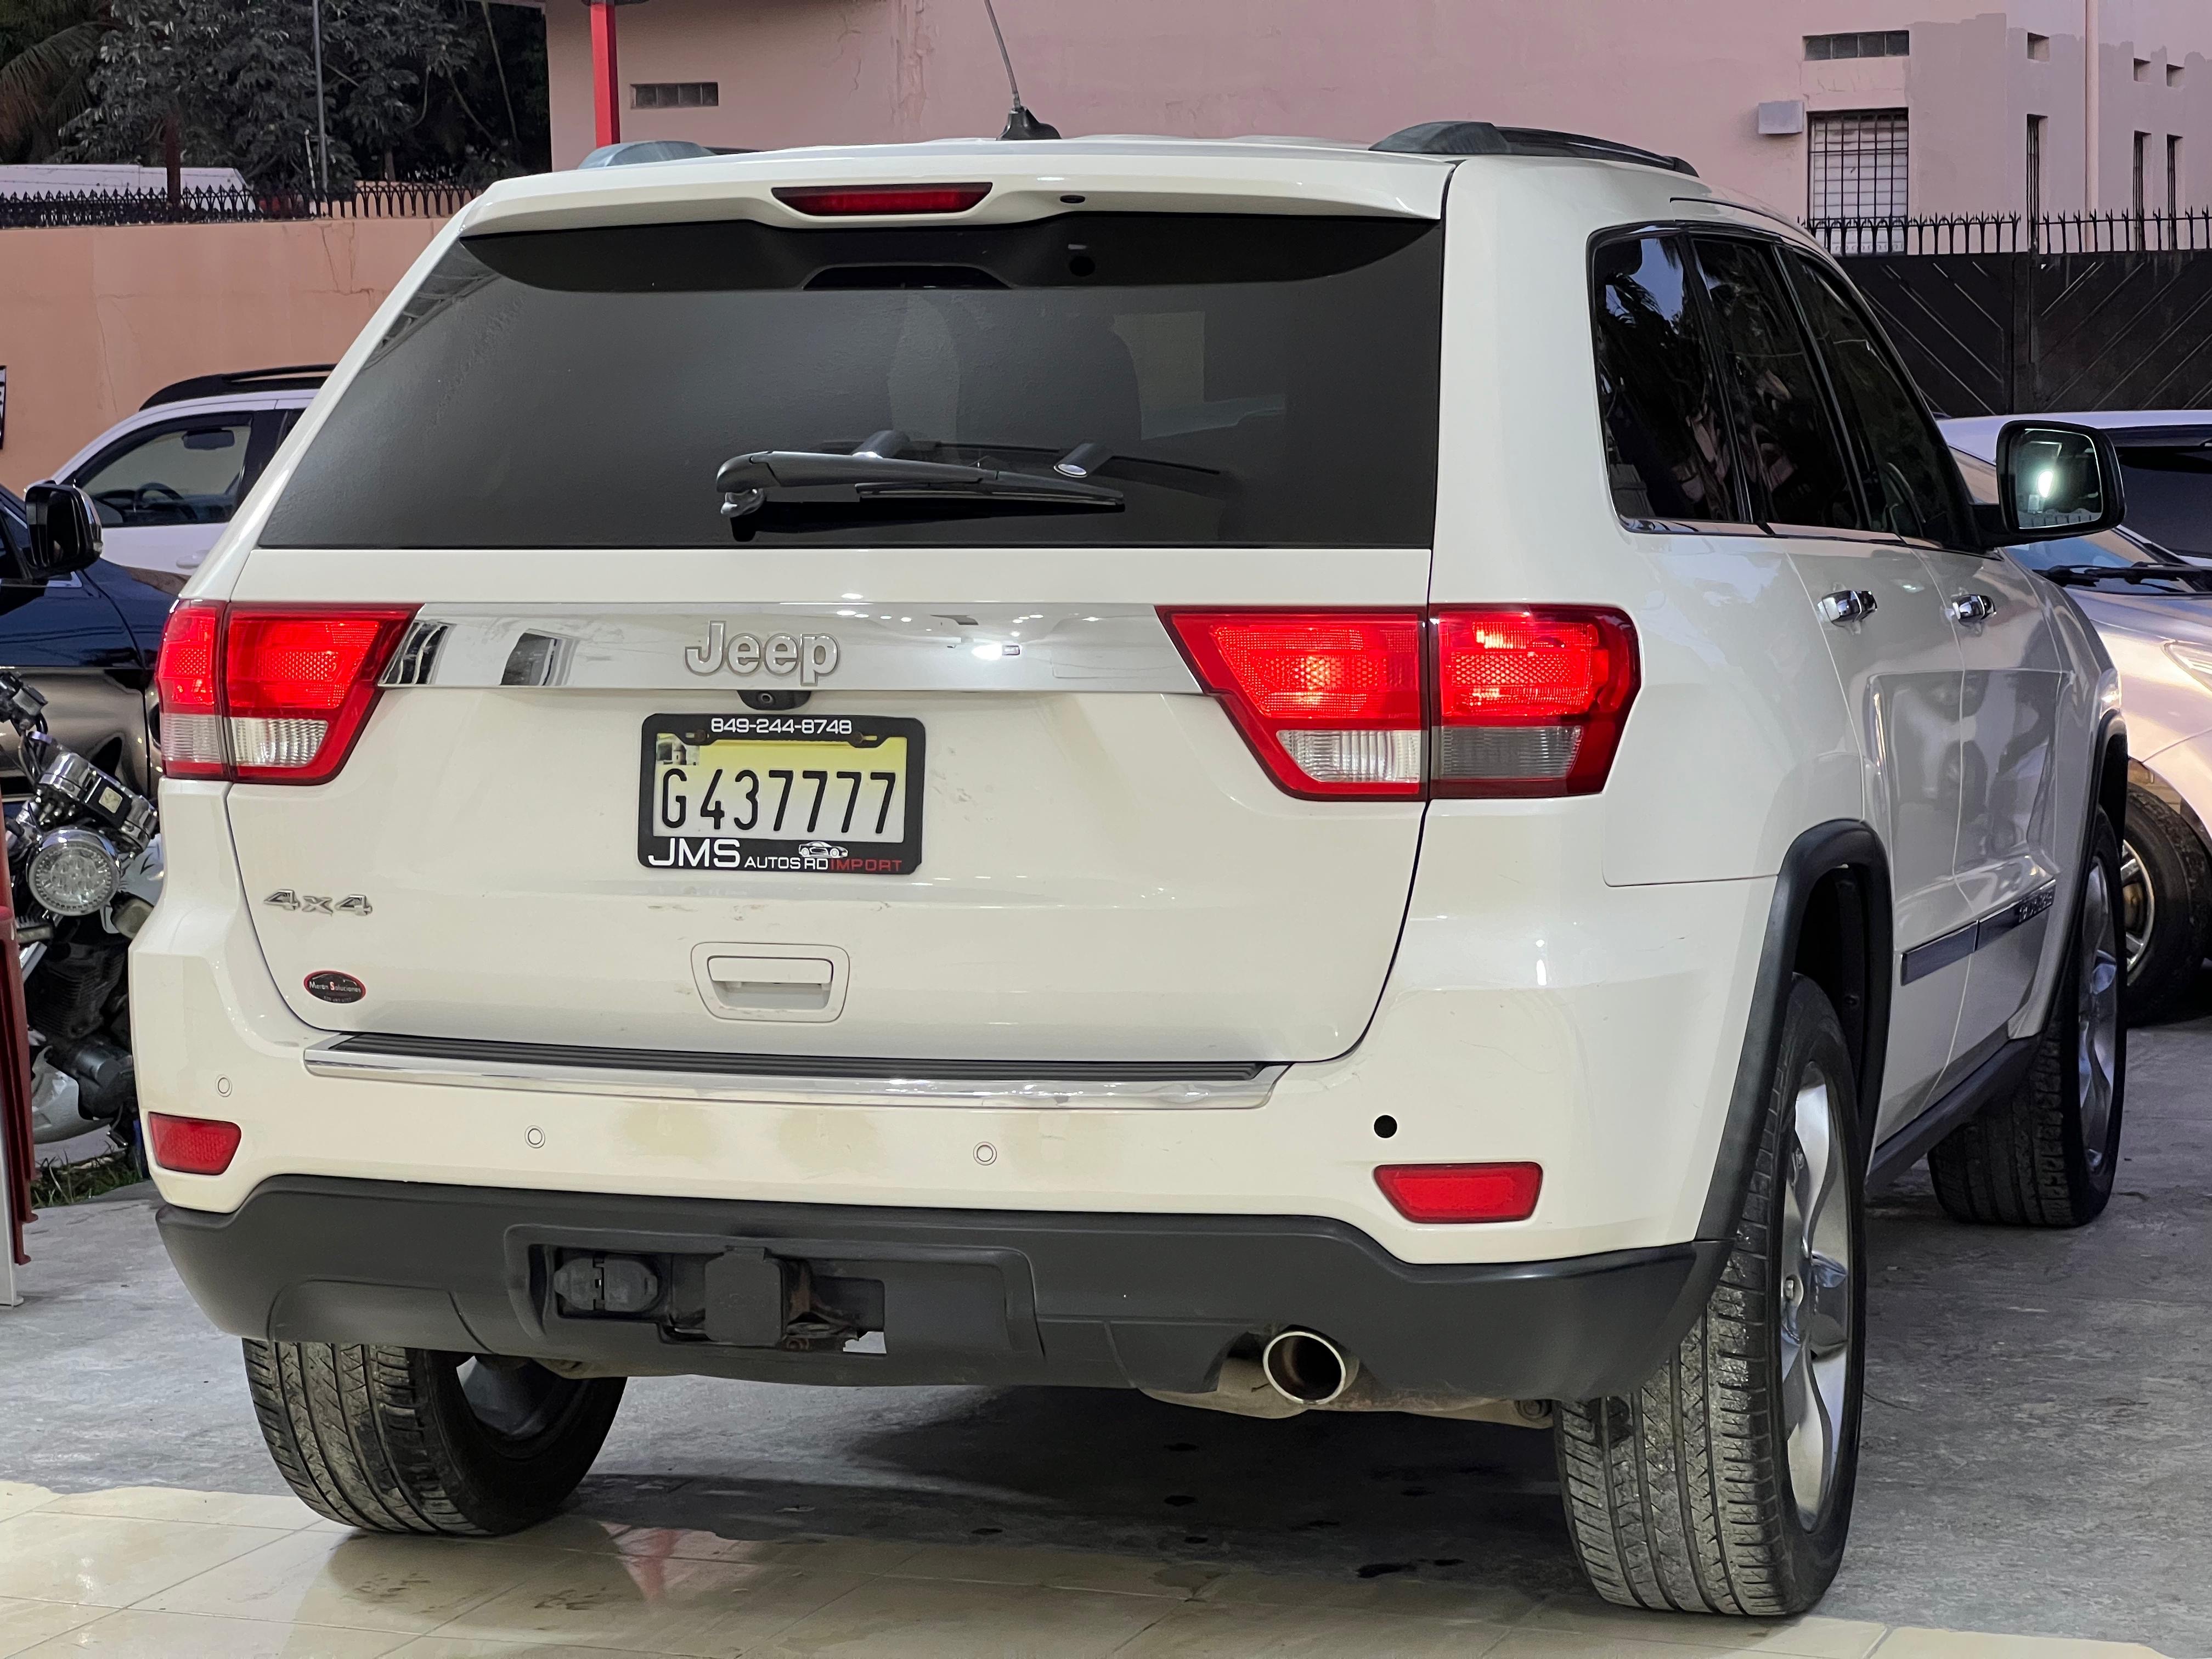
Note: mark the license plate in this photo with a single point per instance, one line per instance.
(836, 794)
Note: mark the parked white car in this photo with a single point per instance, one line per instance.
(2158, 632)
(1297, 777)
(167, 478)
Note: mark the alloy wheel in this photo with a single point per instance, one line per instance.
(515, 1400)
(2138, 907)
(1814, 1290)
(2097, 1023)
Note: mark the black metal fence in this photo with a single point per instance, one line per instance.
(2042, 333)
(374, 199)
(2011, 232)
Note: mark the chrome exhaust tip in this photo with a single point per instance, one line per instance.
(1306, 1367)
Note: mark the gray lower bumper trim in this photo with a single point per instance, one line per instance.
(998, 1297)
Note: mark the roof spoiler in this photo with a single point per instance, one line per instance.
(635, 152)
(295, 377)
(1481, 138)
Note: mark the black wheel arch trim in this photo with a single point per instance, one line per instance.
(1839, 846)
(2114, 769)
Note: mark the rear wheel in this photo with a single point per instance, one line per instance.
(2165, 906)
(1724, 1484)
(2045, 1156)
(408, 1440)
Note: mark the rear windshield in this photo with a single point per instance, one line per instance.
(1244, 380)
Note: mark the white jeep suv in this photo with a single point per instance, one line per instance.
(1292, 777)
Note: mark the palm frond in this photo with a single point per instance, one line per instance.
(43, 84)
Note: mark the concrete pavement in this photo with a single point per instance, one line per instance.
(2035, 1458)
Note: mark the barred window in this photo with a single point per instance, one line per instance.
(1860, 166)
(1872, 43)
(676, 94)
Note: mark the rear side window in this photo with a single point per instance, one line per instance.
(1799, 476)
(1666, 447)
(1239, 380)
(1905, 470)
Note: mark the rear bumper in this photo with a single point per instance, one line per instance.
(997, 1297)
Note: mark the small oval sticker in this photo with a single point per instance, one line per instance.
(333, 986)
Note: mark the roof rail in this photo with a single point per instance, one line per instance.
(1481, 138)
(293, 377)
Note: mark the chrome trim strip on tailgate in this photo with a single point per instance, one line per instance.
(790, 1079)
(910, 646)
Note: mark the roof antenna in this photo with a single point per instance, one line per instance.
(1020, 123)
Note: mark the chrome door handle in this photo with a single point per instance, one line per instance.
(1847, 604)
(1971, 608)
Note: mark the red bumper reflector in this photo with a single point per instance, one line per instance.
(1461, 1192)
(837, 201)
(192, 1145)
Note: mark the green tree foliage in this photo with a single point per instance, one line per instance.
(414, 88)
(47, 50)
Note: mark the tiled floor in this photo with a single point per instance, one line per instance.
(161, 1573)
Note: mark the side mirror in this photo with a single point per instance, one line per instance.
(65, 532)
(2053, 481)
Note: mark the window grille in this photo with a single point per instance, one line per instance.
(2034, 168)
(1860, 161)
(676, 94)
(1872, 43)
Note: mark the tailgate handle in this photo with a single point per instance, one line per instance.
(795, 983)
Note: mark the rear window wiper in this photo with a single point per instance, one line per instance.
(2088, 575)
(876, 473)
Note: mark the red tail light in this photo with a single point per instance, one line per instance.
(1335, 703)
(192, 1145)
(1330, 701)
(1530, 701)
(271, 693)
(191, 716)
(837, 201)
(1461, 1192)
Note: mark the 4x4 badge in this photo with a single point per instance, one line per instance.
(354, 904)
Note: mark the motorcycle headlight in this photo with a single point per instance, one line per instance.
(75, 871)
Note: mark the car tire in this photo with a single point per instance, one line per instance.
(2045, 1156)
(1724, 1484)
(2165, 888)
(410, 1440)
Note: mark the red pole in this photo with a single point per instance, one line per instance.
(606, 78)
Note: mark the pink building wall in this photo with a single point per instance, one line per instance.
(96, 318)
(1686, 77)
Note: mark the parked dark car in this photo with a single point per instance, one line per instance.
(87, 642)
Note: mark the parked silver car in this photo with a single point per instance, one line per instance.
(2159, 631)
(167, 478)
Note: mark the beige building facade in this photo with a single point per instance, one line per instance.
(1825, 107)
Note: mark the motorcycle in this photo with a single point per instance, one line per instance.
(84, 865)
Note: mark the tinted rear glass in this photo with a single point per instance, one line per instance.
(1254, 380)
(1667, 447)
(1798, 475)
